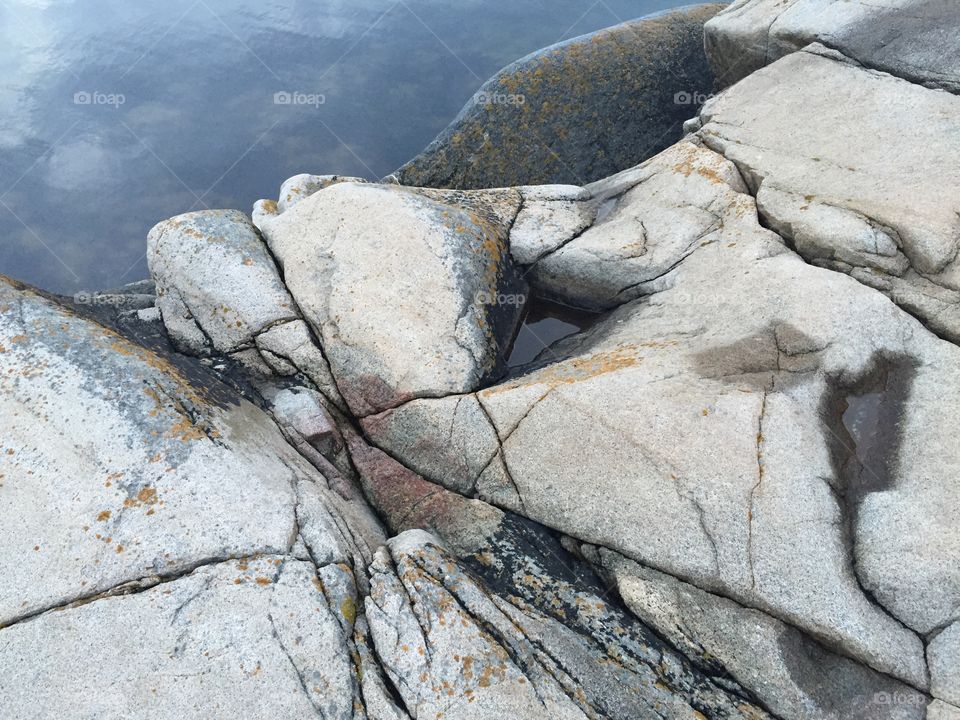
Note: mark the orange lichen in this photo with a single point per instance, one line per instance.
(146, 497)
(577, 369)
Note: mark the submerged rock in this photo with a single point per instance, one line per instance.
(913, 39)
(577, 111)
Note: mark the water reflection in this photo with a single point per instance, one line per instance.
(114, 115)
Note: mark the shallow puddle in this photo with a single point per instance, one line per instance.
(545, 324)
(872, 414)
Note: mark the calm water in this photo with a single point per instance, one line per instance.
(115, 114)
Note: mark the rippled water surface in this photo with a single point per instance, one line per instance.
(115, 114)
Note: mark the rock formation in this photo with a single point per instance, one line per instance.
(323, 491)
(577, 111)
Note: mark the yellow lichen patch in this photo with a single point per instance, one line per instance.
(348, 608)
(263, 580)
(104, 516)
(269, 205)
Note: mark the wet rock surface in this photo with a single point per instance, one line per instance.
(719, 487)
(577, 111)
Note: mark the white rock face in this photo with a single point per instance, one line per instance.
(709, 419)
(116, 468)
(913, 39)
(241, 638)
(216, 282)
(826, 178)
(411, 294)
(943, 654)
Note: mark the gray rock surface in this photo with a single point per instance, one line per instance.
(913, 39)
(939, 710)
(577, 111)
(825, 177)
(712, 411)
(241, 638)
(300, 187)
(943, 654)
(731, 495)
(549, 217)
(539, 614)
(792, 675)
(177, 471)
(217, 286)
(648, 219)
(411, 294)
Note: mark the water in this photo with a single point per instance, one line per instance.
(545, 324)
(115, 115)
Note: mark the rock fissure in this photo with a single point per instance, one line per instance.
(132, 587)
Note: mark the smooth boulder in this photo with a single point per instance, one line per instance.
(410, 293)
